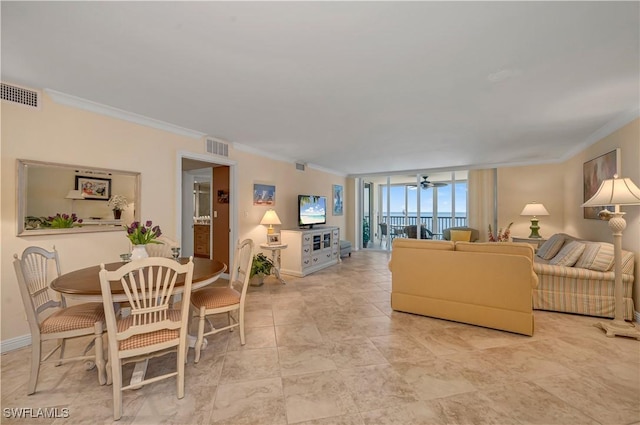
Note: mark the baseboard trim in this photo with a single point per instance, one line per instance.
(15, 343)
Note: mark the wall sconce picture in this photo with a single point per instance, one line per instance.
(273, 239)
(223, 197)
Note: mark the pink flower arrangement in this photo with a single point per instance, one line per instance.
(502, 236)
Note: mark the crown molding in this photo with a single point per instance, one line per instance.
(615, 124)
(326, 170)
(98, 108)
(260, 152)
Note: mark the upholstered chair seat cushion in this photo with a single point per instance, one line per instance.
(216, 297)
(80, 316)
(146, 339)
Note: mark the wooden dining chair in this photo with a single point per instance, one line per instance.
(153, 328)
(162, 249)
(50, 319)
(225, 299)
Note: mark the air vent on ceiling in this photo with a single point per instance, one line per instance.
(216, 147)
(20, 95)
(300, 166)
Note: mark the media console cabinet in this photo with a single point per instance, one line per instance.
(310, 250)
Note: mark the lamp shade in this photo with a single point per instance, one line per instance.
(74, 194)
(615, 191)
(534, 209)
(270, 218)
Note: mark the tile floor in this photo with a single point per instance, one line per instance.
(327, 349)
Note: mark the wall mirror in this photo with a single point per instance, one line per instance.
(49, 195)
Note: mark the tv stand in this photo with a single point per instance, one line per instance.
(310, 250)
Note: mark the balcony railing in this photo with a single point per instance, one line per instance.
(440, 224)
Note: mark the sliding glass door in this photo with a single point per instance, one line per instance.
(412, 206)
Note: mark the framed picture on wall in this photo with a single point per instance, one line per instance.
(94, 188)
(594, 172)
(264, 194)
(338, 196)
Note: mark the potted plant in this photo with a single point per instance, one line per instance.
(260, 267)
(366, 233)
(62, 221)
(117, 203)
(140, 235)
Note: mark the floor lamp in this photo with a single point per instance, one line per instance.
(617, 192)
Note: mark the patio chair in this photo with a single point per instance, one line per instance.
(412, 232)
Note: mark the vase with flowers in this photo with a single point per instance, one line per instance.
(62, 221)
(117, 203)
(140, 235)
(502, 235)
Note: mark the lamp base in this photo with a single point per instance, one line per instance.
(619, 328)
(534, 229)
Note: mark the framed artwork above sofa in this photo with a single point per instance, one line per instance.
(595, 171)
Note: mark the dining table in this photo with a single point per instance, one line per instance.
(84, 285)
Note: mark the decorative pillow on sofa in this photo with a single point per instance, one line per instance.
(596, 256)
(569, 254)
(461, 235)
(551, 247)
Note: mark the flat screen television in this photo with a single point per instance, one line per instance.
(312, 210)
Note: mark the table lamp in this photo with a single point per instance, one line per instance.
(270, 218)
(616, 192)
(534, 209)
(73, 195)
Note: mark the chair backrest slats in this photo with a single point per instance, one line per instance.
(149, 285)
(32, 271)
(241, 270)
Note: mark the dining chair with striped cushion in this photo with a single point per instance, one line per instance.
(155, 327)
(50, 319)
(227, 299)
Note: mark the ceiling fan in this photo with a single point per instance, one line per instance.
(427, 184)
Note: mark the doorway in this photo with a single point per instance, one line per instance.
(205, 194)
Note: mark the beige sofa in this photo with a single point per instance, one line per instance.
(485, 284)
(586, 287)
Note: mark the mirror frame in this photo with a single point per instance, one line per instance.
(21, 198)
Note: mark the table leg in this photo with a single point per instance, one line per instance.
(275, 257)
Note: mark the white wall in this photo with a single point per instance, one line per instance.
(62, 134)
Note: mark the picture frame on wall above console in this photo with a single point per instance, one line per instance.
(595, 171)
(264, 194)
(96, 188)
(338, 196)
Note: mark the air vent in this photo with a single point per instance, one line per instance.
(20, 95)
(300, 166)
(216, 147)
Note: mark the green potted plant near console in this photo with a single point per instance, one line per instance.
(260, 267)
